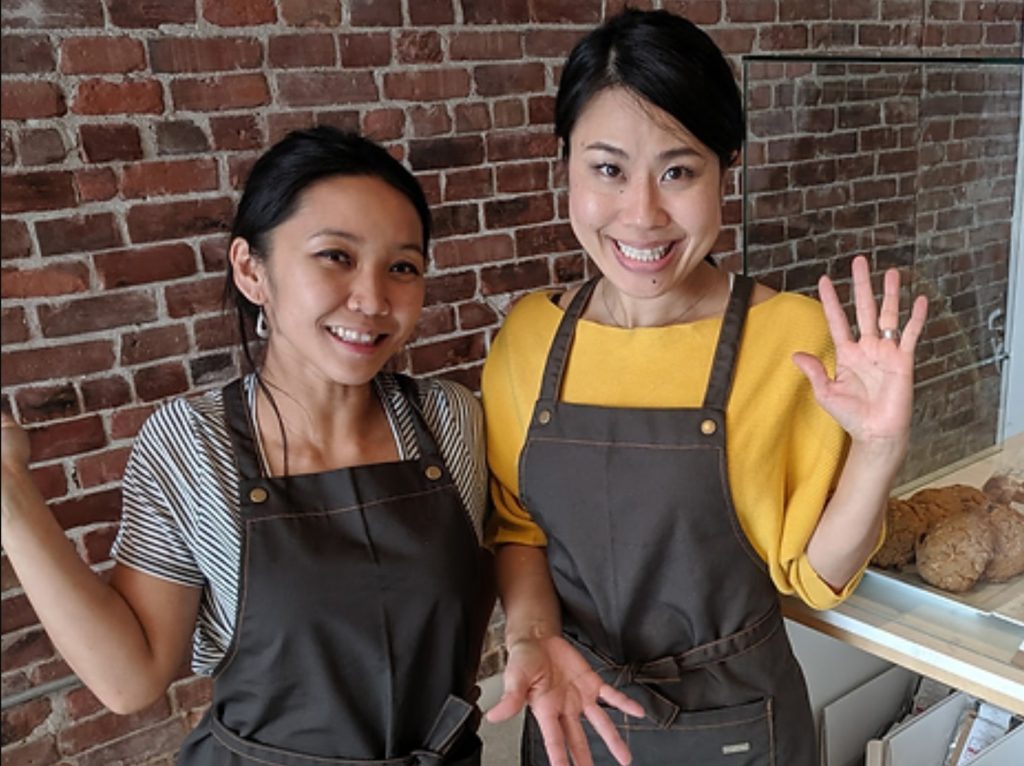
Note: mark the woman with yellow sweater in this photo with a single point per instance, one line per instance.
(672, 446)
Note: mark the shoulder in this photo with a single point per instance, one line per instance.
(790, 317)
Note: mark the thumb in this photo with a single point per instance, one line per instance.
(813, 370)
(512, 700)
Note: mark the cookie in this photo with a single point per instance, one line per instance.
(955, 551)
(938, 503)
(1008, 556)
(1004, 489)
(904, 525)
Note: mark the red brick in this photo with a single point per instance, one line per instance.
(434, 321)
(88, 508)
(472, 118)
(561, 12)
(164, 737)
(31, 100)
(78, 234)
(94, 546)
(191, 693)
(509, 113)
(430, 120)
(520, 210)
(473, 183)
(365, 50)
(321, 88)
(29, 54)
(15, 241)
(177, 220)
(474, 315)
(857, 9)
(213, 94)
(240, 13)
(44, 146)
(156, 179)
(523, 176)
(503, 79)
(160, 381)
(132, 14)
(124, 97)
(240, 167)
(107, 726)
(67, 438)
(710, 11)
(236, 133)
(51, 481)
(125, 423)
(454, 253)
(53, 669)
(439, 355)
(109, 143)
(198, 297)
(105, 393)
(426, 84)
(376, 13)
(187, 54)
(215, 332)
(431, 12)
(17, 613)
(551, 43)
(302, 50)
(58, 279)
(428, 154)
(212, 368)
(453, 220)
(783, 38)
(180, 137)
(495, 11)
(476, 46)
(213, 252)
(515, 277)
(450, 288)
(14, 327)
(137, 266)
(540, 240)
(37, 752)
(101, 55)
(153, 343)
(418, 48)
(80, 702)
(22, 192)
(310, 13)
(100, 312)
(383, 124)
(733, 40)
(20, 721)
(53, 14)
(39, 404)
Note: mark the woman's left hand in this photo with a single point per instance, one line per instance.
(871, 394)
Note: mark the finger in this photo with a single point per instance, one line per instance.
(889, 316)
(864, 299)
(512, 701)
(618, 699)
(577, 741)
(838, 324)
(915, 325)
(609, 734)
(554, 739)
(814, 371)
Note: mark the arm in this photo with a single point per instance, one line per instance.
(127, 639)
(545, 671)
(871, 397)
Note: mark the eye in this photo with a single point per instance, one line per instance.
(678, 173)
(608, 170)
(337, 256)
(407, 267)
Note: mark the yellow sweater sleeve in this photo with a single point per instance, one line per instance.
(783, 451)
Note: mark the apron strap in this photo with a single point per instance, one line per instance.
(449, 724)
(720, 379)
(554, 370)
(424, 436)
(239, 423)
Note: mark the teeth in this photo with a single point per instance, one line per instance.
(351, 336)
(646, 256)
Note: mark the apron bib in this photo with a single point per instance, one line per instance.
(363, 599)
(660, 588)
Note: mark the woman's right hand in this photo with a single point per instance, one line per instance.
(559, 685)
(14, 444)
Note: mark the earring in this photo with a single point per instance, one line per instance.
(262, 330)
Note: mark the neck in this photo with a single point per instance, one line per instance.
(700, 296)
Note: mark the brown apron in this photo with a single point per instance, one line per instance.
(659, 586)
(363, 600)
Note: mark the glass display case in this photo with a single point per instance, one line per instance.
(918, 164)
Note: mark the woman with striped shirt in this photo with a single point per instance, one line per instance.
(313, 528)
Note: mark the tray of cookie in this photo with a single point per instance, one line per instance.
(960, 541)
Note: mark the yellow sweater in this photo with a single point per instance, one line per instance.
(784, 452)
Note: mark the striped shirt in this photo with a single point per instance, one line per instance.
(180, 520)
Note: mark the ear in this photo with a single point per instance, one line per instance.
(248, 271)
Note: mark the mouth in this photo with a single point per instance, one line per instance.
(642, 256)
(356, 338)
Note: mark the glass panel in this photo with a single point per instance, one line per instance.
(913, 163)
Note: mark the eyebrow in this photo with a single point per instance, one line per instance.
(414, 246)
(668, 154)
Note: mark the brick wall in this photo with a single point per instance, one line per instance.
(127, 130)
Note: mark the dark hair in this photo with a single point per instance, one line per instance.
(667, 61)
(288, 169)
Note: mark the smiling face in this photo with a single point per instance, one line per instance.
(645, 196)
(342, 286)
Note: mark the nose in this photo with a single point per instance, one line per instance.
(642, 205)
(368, 293)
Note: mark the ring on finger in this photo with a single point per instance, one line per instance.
(890, 333)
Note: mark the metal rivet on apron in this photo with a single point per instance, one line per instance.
(433, 472)
(544, 417)
(257, 494)
(708, 427)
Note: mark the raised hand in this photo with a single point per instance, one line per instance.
(14, 444)
(556, 682)
(871, 394)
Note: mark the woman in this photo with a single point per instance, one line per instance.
(315, 524)
(661, 469)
